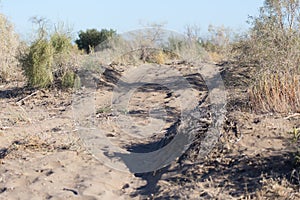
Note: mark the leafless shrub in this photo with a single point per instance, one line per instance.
(272, 46)
(219, 42)
(8, 51)
(150, 45)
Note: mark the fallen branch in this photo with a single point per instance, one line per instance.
(27, 97)
(3, 128)
(293, 115)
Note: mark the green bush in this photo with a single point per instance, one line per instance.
(38, 64)
(61, 42)
(51, 59)
(63, 49)
(68, 79)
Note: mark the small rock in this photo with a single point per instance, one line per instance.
(256, 120)
(110, 135)
(3, 189)
(125, 186)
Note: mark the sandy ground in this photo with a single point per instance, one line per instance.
(43, 157)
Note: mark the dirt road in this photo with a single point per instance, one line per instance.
(46, 153)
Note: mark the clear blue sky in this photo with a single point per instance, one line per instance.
(126, 15)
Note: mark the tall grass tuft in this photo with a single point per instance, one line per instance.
(276, 92)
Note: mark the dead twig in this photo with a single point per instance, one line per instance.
(3, 128)
(27, 97)
(293, 115)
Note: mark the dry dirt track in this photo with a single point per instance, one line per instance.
(42, 156)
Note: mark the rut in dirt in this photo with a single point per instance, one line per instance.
(196, 130)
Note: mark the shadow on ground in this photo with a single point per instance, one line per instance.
(240, 176)
(15, 92)
(111, 78)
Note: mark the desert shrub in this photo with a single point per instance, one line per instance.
(187, 47)
(37, 61)
(61, 42)
(66, 59)
(149, 45)
(160, 57)
(295, 132)
(146, 42)
(218, 42)
(9, 47)
(140, 46)
(153, 56)
(68, 79)
(65, 64)
(174, 43)
(50, 59)
(37, 64)
(272, 47)
(179, 48)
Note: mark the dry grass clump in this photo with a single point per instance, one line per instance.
(276, 189)
(9, 48)
(276, 93)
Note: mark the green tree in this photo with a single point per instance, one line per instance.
(90, 38)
